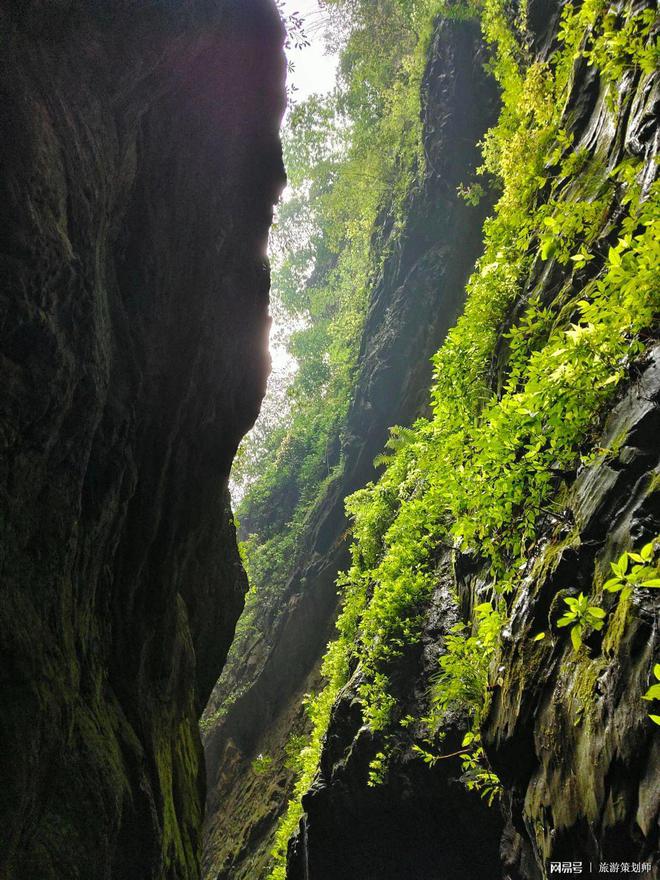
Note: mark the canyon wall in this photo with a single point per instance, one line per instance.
(140, 160)
(415, 299)
(566, 731)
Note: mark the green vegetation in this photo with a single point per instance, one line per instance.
(581, 616)
(653, 693)
(460, 686)
(480, 474)
(642, 574)
(261, 764)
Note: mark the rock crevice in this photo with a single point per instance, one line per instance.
(416, 299)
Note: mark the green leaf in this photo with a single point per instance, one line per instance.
(613, 585)
(576, 637)
(653, 693)
(654, 582)
(621, 567)
(548, 247)
(566, 620)
(595, 611)
(538, 637)
(655, 719)
(614, 257)
(656, 671)
(647, 552)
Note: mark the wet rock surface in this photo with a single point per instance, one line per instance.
(139, 163)
(568, 734)
(420, 820)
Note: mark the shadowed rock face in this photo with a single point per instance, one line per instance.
(419, 821)
(397, 831)
(568, 736)
(138, 167)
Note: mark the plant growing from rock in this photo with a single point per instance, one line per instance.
(481, 471)
(653, 693)
(643, 573)
(461, 685)
(581, 616)
(262, 764)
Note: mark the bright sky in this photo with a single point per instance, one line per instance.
(314, 70)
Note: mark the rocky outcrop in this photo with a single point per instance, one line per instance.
(568, 734)
(139, 163)
(419, 821)
(415, 300)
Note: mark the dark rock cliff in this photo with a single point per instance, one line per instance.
(419, 822)
(417, 297)
(568, 735)
(139, 163)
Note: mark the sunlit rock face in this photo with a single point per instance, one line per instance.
(139, 163)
